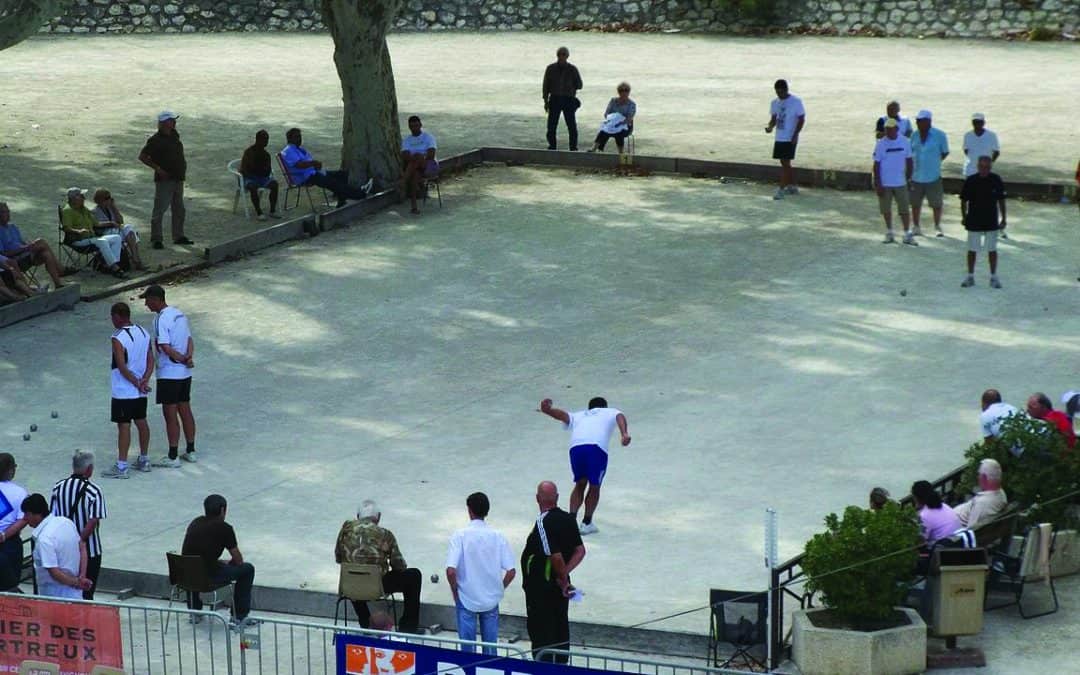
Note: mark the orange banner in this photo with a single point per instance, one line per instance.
(75, 637)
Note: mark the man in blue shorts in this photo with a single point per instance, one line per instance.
(256, 170)
(590, 431)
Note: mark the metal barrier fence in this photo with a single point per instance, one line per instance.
(630, 665)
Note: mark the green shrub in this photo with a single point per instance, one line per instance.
(864, 564)
(1043, 34)
(759, 10)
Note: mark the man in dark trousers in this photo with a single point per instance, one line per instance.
(552, 551)
(981, 200)
(561, 83)
(208, 536)
(256, 170)
(164, 153)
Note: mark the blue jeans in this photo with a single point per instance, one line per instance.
(489, 627)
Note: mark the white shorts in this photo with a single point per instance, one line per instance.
(976, 242)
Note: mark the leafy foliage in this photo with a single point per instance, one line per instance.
(760, 10)
(19, 19)
(864, 564)
(1045, 469)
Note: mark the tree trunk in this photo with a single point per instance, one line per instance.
(19, 19)
(369, 131)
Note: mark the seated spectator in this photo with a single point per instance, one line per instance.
(26, 255)
(111, 221)
(14, 282)
(362, 541)
(207, 537)
(1040, 407)
(879, 497)
(417, 160)
(11, 524)
(256, 170)
(305, 170)
(892, 111)
(994, 412)
(938, 519)
(81, 229)
(618, 119)
(988, 502)
(59, 551)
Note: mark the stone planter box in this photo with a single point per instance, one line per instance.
(830, 651)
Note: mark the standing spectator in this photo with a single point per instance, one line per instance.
(479, 567)
(892, 111)
(59, 553)
(164, 153)
(11, 523)
(1040, 407)
(208, 536)
(26, 254)
(79, 500)
(363, 541)
(994, 412)
(257, 172)
(938, 519)
(979, 142)
(175, 351)
(981, 199)
(988, 502)
(929, 148)
(108, 216)
(787, 115)
(892, 171)
(618, 119)
(552, 551)
(590, 432)
(132, 368)
(417, 159)
(306, 170)
(81, 229)
(561, 84)
(879, 497)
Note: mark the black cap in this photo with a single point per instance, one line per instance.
(154, 291)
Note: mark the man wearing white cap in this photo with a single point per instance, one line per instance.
(929, 148)
(164, 153)
(892, 171)
(978, 142)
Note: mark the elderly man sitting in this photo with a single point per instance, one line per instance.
(363, 541)
(81, 228)
(988, 502)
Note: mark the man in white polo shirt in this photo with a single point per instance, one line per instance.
(892, 171)
(979, 142)
(479, 567)
(417, 159)
(59, 551)
(994, 412)
(175, 351)
(132, 368)
(590, 431)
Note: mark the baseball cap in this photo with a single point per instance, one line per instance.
(166, 115)
(75, 192)
(153, 291)
(978, 117)
(890, 123)
(924, 114)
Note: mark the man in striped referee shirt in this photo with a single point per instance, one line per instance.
(83, 503)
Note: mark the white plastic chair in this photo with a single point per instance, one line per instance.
(233, 167)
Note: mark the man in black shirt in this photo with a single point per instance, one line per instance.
(982, 196)
(207, 537)
(561, 82)
(164, 153)
(552, 551)
(255, 168)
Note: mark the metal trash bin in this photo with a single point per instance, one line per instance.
(957, 587)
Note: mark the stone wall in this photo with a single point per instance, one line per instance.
(950, 18)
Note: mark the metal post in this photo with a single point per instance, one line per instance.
(771, 536)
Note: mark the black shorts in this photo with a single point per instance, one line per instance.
(124, 410)
(170, 392)
(783, 150)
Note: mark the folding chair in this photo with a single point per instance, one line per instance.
(233, 167)
(1031, 564)
(291, 185)
(362, 583)
(187, 574)
(432, 177)
(737, 618)
(79, 257)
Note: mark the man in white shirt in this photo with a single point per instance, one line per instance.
(132, 368)
(988, 502)
(175, 351)
(787, 115)
(892, 111)
(59, 551)
(417, 159)
(979, 142)
(892, 171)
(590, 431)
(479, 567)
(994, 412)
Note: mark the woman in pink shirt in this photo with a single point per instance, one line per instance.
(938, 519)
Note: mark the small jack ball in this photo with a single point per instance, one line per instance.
(33, 427)
(26, 437)
(55, 414)
(434, 578)
(903, 293)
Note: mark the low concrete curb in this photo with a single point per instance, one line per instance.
(64, 298)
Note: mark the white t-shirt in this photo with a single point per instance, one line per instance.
(977, 146)
(418, 145)
(787, 111)
(11, 499)
(57, 546)
(136, 343)
(592, 427)
(990, 419)
(171, 328)
(892, 154)
(481, 557)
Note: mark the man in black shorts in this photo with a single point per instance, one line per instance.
(175, 351)
(982, 199)
(787, 115)
(132, 367)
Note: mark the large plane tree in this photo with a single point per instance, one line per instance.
(19, 19)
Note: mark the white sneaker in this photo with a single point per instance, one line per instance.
(994, 282)
(909, 239)
(917, 231)
(192, 457)
(779, 193)
(968, 282)
(167, 463)
(143, 464)
(890, 238)
(792, 189)
(940, 232)
(366, 187)
(115, 471)
(588, 528)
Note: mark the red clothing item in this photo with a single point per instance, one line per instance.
(1064, 425)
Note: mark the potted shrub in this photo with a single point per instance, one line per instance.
(862, 566)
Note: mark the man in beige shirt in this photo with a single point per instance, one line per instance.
(988, 502)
